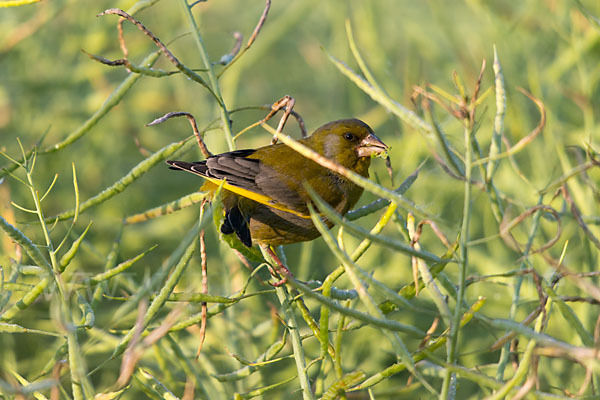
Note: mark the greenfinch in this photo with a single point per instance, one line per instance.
(264, 194)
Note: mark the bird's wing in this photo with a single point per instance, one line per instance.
(247, 177)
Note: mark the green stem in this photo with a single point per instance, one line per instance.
(351, 270)
(290, 319)
(285, 299)
(112, 100)
(505, 352)
(292, 326)
(79, 382)
(211, 75)
(332, 277)
(462, 268)
(524, 364)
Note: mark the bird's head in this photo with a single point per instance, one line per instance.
(349, 142)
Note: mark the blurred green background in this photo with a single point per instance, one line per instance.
(551, 48)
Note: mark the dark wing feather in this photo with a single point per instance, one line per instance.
(198, 168)
(258, 177)
(237, 170)
(236, 222)
(233, 166)
(251, 174)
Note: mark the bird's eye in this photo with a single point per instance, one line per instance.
(348, 136)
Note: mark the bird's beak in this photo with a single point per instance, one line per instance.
(371, 145)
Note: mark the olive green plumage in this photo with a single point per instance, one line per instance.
(265, 198)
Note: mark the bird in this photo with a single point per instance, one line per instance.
(264, 196)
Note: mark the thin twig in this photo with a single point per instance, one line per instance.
(192, 120)
(145, 30)
(146, 71)
(215, 89)
(473, 105)
(506, 227)
(438, 232)
(204, 288)
(273, 109)
(196, 2)
(286, 103)
(511, 150)
(281, 268)
(509, 336)
(174, 60)
(577, 215)
(122, 38)
(226, 58)
(259, 25)
(130, 357)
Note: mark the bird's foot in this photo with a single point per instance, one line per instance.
(278, 283)
(280, 268)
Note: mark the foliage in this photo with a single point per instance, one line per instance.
(476, 277)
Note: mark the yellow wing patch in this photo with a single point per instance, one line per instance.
(259, 198)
